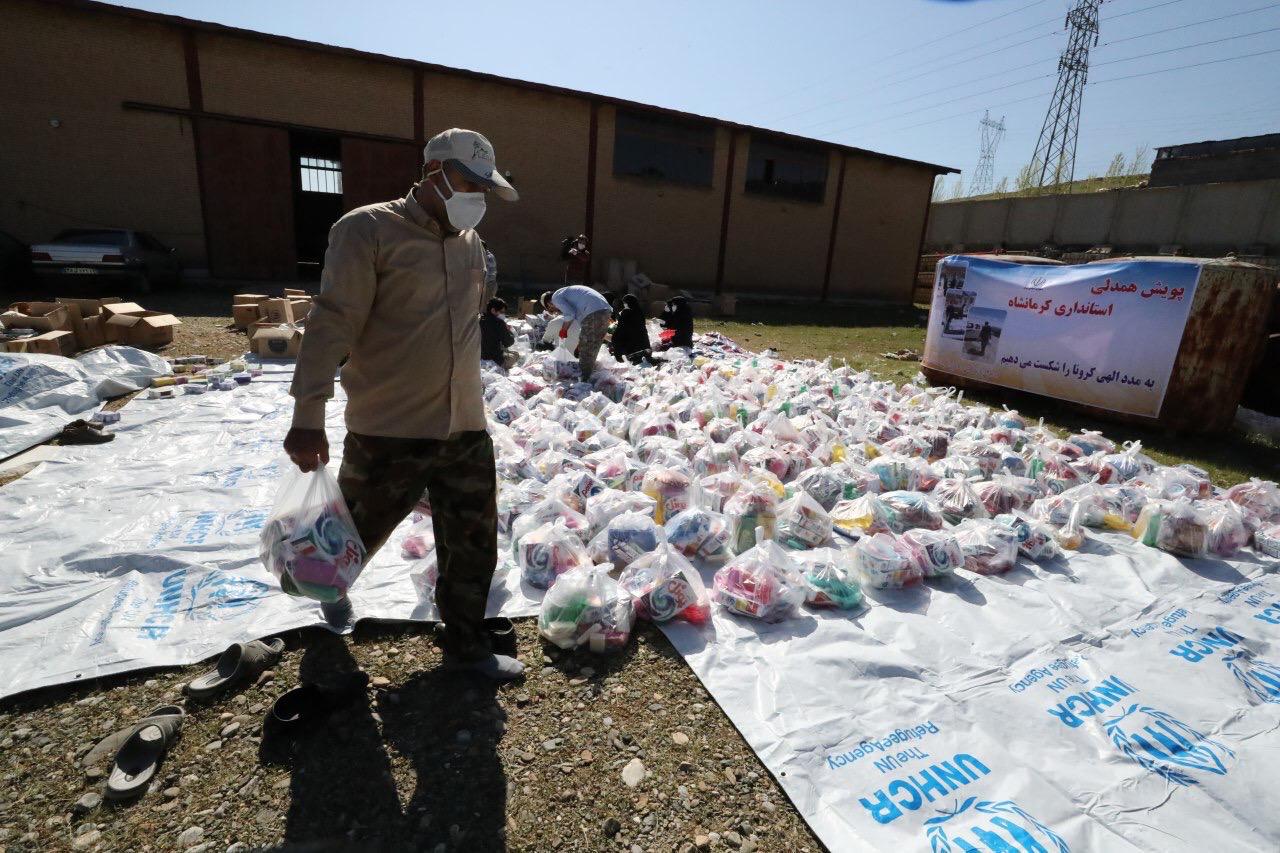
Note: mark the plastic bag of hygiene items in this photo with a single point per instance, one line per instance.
(912, 510)
(545, 511)
(1035, 538)
(935, 552)
(669, 490)
(611, 503)
(802, 523)
(624, 539)
(1228, 532)
(1005, 493)
(896, 473)
(548, 552)
(1124, 465)
(959, 500)
(762, 582)
(864, 516)
(586, 609)
(754, 505)
(310, 542)
(562, 365)
(1177, 527)
(1261, 497)
(828, 579)
(701, 533)
(990, 548)
(665, 586)
(425, 573)
(883, 564)
(419, 541)
(1070, 535)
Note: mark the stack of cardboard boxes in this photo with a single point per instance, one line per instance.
(274, 323)
(68, 325)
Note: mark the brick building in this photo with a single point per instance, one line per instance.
(241, 148)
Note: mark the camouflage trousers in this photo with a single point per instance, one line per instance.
(382, 478)
(590, 337)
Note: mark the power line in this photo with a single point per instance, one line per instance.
(1192, 24)
(1186, 47)
(1111, 18)
(1182, 67)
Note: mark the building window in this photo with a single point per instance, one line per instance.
(319, 175)
(786, 171)
(655, 147)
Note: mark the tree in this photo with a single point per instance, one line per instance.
(939, 188)
(1139, 165)
(1026, 177)
(957, 191)
(1002, 187)
(1117, 167)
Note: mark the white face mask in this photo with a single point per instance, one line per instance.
(465, 210)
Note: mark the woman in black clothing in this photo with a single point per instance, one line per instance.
(677, 316)
(630, 337)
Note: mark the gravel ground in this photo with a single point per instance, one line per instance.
(432, 761)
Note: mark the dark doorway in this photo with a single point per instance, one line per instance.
(317, 196)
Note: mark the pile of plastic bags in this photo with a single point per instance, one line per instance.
(802, 484)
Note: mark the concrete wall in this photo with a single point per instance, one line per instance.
(102, 166)
(542, 140)
(1206, 219)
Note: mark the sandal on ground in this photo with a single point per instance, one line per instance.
(309, 703)
(239, 663)
(139, 757)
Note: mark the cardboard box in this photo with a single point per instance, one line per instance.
(41, 316)
(528, 306)
(245, 314)
(148, 330)
(301, 308)
(274, 341)
(277, 311)
(86, 319)
(111, 309)
(295, 293)
(62, 342)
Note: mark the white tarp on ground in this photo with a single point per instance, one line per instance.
(1121, 700)
(40, 394)
(144, 552)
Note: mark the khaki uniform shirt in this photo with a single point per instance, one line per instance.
(403, 299)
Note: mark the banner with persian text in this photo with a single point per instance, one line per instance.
(1102, 334)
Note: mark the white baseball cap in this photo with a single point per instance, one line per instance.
(473, 154)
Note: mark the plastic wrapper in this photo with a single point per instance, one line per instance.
(1267, 540)
(802, 523)
(1036, 540)
(574, 488)
(548, 510)
(586, 609)
(419, 541)
(611, 503)
(309, 541)
(936, 553)
(958, 499)
(1177, 527)
(611, 467)
(700, 533)
(1004, 493)
(824, 485)
(669, 490)
(626, 538)
(1261, 497)
(715, 458)
(754, 505)
(717, 489)
(1121, 507)
(424, 574)
(884, 564)
(829, 580)
(1125, 465)
(547, 552)
(513, 501)
(762, 583)
(1228, 532)
(896, 473)
(864, 516)
(912, 510)
(990, 548)
(1091, 441)
(665, 586)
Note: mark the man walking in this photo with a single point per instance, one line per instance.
(583, 306)
(403, 282)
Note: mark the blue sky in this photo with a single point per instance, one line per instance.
(907, 77)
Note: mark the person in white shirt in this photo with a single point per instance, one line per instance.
(589, 313)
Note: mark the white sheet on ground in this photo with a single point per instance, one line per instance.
(40, 394)
(1119, 700)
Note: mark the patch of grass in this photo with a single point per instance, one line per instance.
(859, 334)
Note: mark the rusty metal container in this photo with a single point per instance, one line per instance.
(1224, 338)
